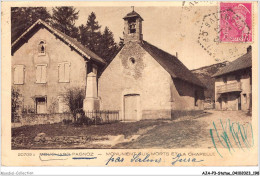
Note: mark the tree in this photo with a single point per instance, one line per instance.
(103, 44)
(63, 19)
(90, 34)
(74, 97)
(108, 46)
(23, 17)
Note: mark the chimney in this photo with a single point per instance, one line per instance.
(249, 48)
(177, 54)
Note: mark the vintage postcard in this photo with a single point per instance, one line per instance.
(130, 83)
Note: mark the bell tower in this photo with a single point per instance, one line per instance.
(133, 27)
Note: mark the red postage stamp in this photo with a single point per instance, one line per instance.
(235, 22)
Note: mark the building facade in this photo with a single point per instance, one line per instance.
(46, 63)
(233, 84)
(145, 82)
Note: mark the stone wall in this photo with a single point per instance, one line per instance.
(36, 119)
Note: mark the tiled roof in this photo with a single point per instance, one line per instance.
(132, 14)
(242, 62)
(70, 41)
(172, 64)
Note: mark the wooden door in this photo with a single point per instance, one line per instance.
(131, 107)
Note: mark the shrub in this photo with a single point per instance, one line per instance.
(82, 121)
(16, 104)
(74, 98)
(67, 121)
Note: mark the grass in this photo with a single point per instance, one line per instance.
(58, 129)
(171, 135)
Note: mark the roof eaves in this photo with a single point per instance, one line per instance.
(228, 68)
(68, 41)
(133, 14)
(225, 73)
(55, 32)
(25, 32)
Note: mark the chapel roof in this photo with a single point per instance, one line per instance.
(132, 14)
(242, 62)
(68, 40)
(172, 64)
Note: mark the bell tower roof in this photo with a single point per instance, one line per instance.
(132, 14)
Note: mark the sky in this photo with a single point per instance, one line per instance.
(172, 29)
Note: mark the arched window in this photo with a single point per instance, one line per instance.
(42, 48)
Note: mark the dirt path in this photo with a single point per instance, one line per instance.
(187, 133)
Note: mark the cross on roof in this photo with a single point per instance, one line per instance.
(133, 7)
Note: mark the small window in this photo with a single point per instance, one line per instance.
(42, 48)
(64, 72)
(41, 73)
(18, 74)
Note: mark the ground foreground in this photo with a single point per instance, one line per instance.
(188, 132)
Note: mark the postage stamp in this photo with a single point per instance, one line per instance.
(129, 84)
(217, 29)
(235, 22)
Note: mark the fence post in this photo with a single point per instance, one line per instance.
(94, 117)
(100, 115)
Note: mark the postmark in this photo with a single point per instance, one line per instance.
(210, 37)
(235, 22)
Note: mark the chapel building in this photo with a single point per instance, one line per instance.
(145, 82)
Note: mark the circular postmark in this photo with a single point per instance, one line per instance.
(210, 33)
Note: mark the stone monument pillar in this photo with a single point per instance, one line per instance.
(91, 101)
